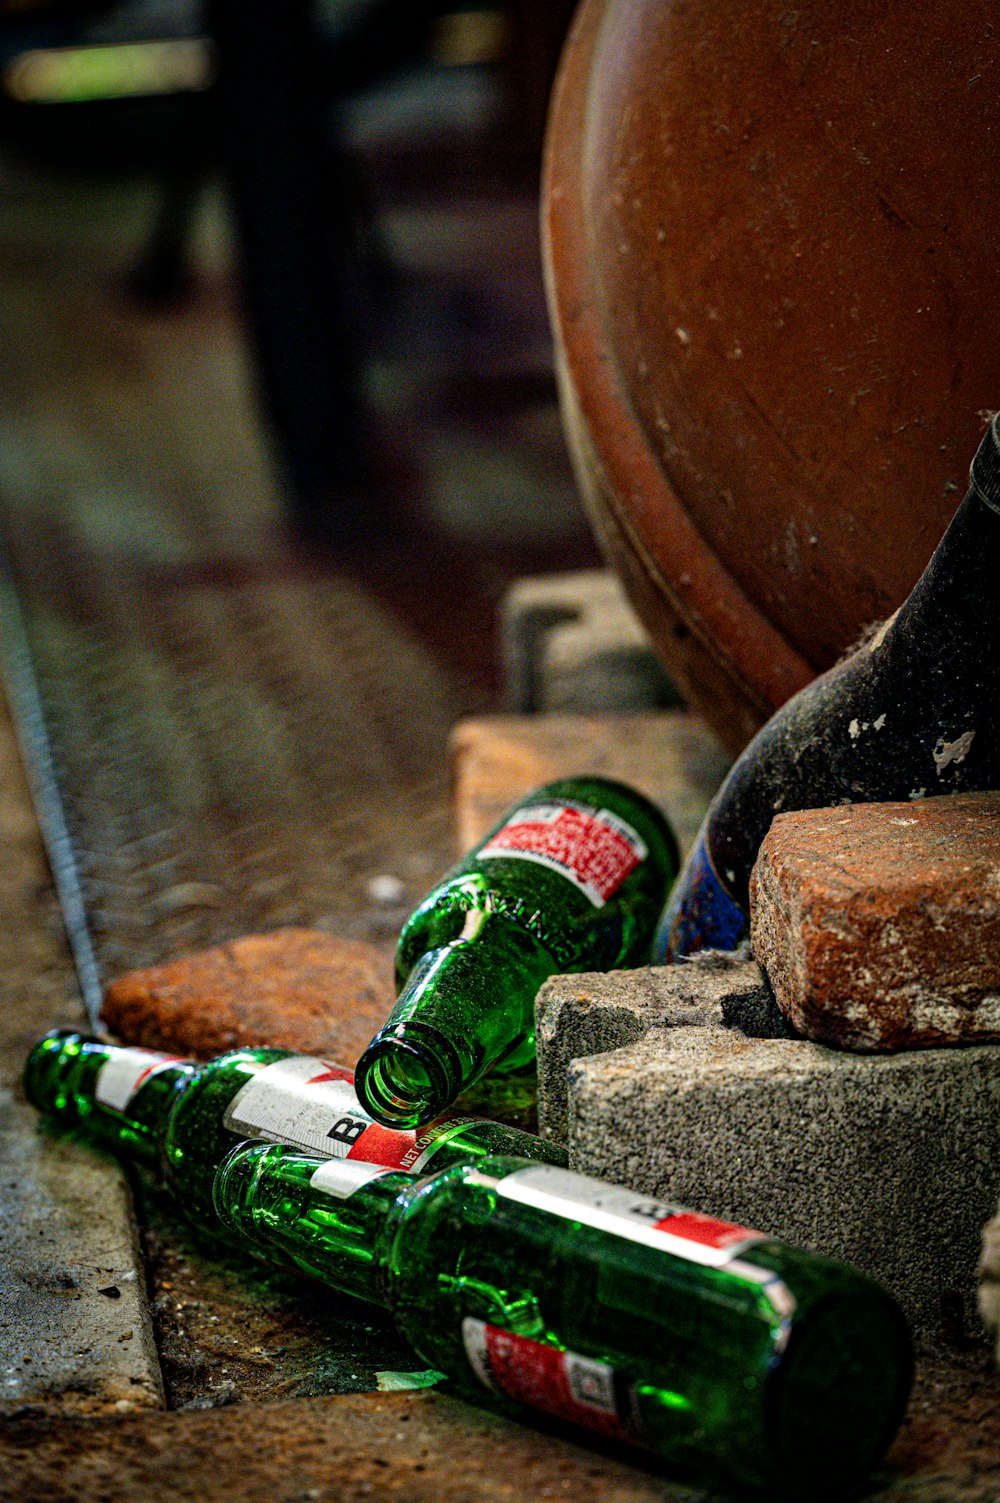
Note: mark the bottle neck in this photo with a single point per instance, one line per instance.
(328, 1219)
(121, 1097)
(466, 1007)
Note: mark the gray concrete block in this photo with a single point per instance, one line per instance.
(75, 1326)
(888, 1163)
(589, 1014)
(572, 643)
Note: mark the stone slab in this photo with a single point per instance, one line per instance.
(879, 924)
(577, 1016)
(572, 643)
(75, 1325)
(67, 1229)
(887, 1162)
(671, 757)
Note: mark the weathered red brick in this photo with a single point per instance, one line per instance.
(297, 989)
(879, 924)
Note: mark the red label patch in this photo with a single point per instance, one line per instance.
(406, 1149)
(558, 1382)
(595, 849)
(707, 1231)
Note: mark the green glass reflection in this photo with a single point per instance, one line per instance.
(516, 910)
(774, 1366)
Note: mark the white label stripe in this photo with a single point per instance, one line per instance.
(623, 1213)
(124, 1072)
(474, 1341)
(298, 1100)
(619, 1226)
(341, 1177)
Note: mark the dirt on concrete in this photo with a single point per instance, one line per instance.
(230, 1330)
(434, 1448)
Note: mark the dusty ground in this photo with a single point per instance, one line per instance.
(431, 1448)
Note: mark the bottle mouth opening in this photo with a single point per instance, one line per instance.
(400, 1084)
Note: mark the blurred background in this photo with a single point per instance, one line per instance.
(277, 429)
(362, 172)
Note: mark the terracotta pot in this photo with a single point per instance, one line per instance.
(771, 243)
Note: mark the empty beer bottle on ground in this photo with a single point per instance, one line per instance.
(574, 878)
(914, 711)
(716, 1347)
(185, 1117)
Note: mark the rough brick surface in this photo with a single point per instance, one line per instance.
(671, 757)
(576, 1016)
(879, 924)
(297, 989)
(884, 1161)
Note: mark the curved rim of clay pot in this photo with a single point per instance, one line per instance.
(753, 658)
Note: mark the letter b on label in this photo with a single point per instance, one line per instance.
(347, 1130)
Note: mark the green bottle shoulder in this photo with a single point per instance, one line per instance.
(236, 1066)
(537, 902)
(200, 1106)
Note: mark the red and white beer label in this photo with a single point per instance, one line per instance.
(409, 1150)
(593, 848)
(610, 1208)
(546, 1377)
(311, 1104)
(125, 1071)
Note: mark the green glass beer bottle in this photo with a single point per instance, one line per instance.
(574, 878)
(184, 1117)
(716, 1347)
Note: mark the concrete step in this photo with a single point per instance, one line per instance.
(571, 643)
(885, 1162)
(76, 1333)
